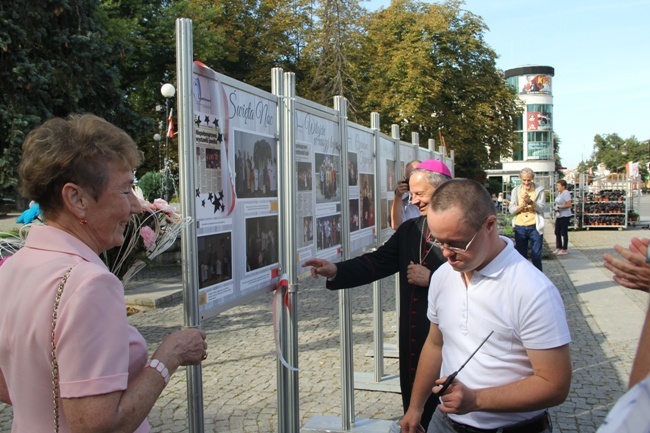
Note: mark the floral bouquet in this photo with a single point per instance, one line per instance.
(148, 234)
(10, 243)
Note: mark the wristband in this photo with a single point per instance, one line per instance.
(160, 368)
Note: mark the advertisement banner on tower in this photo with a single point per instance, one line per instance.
(539, 121)
(538, 83)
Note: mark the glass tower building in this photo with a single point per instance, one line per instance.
(534, 85)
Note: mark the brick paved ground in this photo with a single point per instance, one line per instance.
(239, 377)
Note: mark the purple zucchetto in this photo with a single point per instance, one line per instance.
(435, 166)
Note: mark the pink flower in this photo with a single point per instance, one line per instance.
(2, 260)
(148, 234)
(167, 209)
(146, 206)
(148, 237)
(162, 205)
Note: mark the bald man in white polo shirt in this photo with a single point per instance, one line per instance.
(487, 286)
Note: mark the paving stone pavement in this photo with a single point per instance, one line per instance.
(239, 376)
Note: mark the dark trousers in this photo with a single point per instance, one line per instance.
(562, 232)
(524, 235)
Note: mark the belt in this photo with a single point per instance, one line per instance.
(534, 425)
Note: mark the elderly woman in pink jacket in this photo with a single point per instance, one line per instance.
(69, 361)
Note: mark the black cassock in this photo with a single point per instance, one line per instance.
(408, 244)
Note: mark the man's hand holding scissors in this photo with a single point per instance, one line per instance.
(458, 398)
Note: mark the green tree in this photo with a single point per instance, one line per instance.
(429, 70)
(153, 186)
(144, 34)
(615, 152)
(55, 59)
(244, 39)
(611, 150)
(333, 52)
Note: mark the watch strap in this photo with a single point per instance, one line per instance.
(158, 365)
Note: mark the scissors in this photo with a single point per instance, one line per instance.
(453, 375)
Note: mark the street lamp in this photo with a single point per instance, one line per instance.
(168, 91)
(157, 138)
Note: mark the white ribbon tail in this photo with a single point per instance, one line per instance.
(278, 304)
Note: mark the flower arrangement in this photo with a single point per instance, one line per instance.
(148, 234)
(10, 243)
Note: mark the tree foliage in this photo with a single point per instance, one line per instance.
(153, 186)
(614, 152)
(429, 70)
(424, 66)
(333, 51)
(55, 59)
(244, 39)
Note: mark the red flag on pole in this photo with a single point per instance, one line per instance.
(170, 124)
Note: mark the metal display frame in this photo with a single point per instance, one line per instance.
(281, 124)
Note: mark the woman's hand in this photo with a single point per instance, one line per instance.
(186, 347)
(124, 411)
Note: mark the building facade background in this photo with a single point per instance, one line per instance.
(534, 84)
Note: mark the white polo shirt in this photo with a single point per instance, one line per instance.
(510, 297)
(631, 414)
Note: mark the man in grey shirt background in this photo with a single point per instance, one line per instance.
(402, 209)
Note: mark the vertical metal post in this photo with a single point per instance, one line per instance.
(289, 188)
(345, 309)
(167, 172)
(378, 314)
(278, 90)
(452, 165)
(431, 143)
(394, 133)
(184, 57)
(167, 130)
(415, 141)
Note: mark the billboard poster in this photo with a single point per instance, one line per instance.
(408, 153)
(387, 156)
(539, 121)
(318, 198)
(328, 186)
(235, 152)
(538, 83)
(539, 150)
(361, 191)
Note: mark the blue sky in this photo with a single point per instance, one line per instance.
(600, 50)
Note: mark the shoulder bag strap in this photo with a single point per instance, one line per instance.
(55, 365)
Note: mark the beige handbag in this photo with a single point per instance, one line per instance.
(55, 365)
